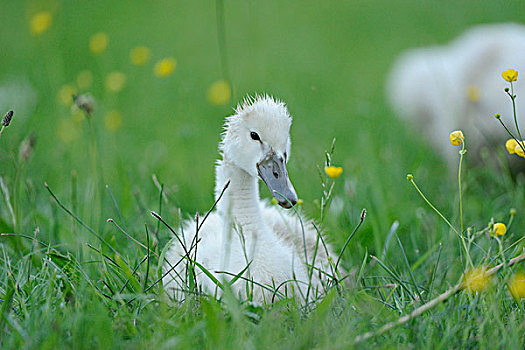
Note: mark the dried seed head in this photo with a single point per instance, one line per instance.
(363, 214)
(26, 147)
(7, 118)
(85, 103)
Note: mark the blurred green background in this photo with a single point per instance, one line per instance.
(326, 59)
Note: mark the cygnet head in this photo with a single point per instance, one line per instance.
(257, 140)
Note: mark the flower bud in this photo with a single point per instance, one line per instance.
(456, 138)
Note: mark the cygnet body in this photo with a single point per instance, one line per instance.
(245, 233)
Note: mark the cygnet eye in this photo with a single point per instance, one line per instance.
(255, 136)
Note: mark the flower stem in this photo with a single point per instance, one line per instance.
(436, 301)
(461, 154)
(511, 135)
(513, 98)
(444, 219)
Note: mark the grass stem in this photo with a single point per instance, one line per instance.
(425, 307)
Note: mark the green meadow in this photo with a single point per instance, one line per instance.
(69, 278)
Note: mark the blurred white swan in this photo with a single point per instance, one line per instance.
(459, 86)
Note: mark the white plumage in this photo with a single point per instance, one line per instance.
(245, 230)
(459, 86)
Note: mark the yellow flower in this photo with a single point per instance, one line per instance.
(511, 146)
(98, 43)
(219, 93)
(84, 79)
(517, 285)
(476, 279)
(40, 22)
(115, 81)
(77, 115)
(499, 229)
(67, 131)
(473, 93)
(65, 95)
(113, 120)
(510, 75)
(300, 201)
(333, 172)
(165, 67)
(139, 55)
(519, 149)
(456, 137)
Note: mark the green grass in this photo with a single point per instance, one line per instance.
(328, 61)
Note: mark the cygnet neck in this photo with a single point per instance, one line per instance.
(241, 199)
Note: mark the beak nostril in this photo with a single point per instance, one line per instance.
(276, 175)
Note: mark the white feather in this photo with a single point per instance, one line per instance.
(440, 89)
(244, 230)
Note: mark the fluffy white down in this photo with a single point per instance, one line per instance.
(243, 229)
(459, 86)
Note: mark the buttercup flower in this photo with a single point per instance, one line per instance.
(165, 67)
(84, 79)
(140, 55)
(115, 81)
(499, 229)
(98, 43)
(40, 22)
(473, 93)
(67, 131)
(511, 146)
(333, 172)
(77, 115)
(476, 279)
(519, 149)
(65, 95)
(219, 93)
(456, 137)
(517, 285)
(510, 75)
(113, 120)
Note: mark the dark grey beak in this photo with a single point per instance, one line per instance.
(272, 171)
